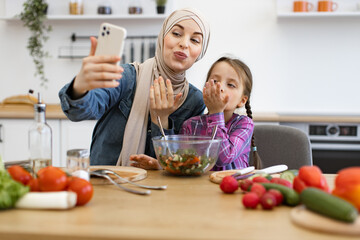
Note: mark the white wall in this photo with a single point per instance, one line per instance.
(299, 65)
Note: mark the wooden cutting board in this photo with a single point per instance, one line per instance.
(130, 173)
(216, 177)
(313, 221)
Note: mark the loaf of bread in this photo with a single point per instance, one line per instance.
(20, 99)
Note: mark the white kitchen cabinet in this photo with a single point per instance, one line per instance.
(66, 135)
(14, 139)
(75, 135)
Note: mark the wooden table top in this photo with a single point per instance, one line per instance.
(191, 208)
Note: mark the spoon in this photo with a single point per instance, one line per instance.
(94, 173)
(107, 171)
(164, 136)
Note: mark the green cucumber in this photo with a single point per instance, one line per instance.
(329, 205)
(291, 197)
(289, 175)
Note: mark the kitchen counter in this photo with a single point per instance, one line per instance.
(53, 111)
(191, 208)
(24, 111)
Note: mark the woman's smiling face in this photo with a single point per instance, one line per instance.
(182, 45)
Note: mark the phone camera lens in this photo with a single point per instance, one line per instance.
(103, 34)
(104, 28)
(107, 32)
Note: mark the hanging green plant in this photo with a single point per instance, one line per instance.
(33, 16)
(161, 2)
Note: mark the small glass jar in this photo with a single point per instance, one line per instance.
(135, 7)
(104, 8)
(76, 7)
(78, 163)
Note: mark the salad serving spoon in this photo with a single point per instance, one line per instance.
(99, 174)
(164, 136)
(107, 171)
(213, 134)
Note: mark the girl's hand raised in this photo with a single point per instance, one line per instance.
(214, 99)
(96, 72)
(162, 101)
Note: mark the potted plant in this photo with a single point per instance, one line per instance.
(160, 6)
(33, 16)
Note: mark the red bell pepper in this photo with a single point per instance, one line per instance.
(347, 185)
(310, 176)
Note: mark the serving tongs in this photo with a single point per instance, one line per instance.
(104, 173)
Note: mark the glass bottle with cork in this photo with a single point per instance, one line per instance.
(40, 139)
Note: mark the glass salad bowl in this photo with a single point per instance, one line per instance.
(186, 155)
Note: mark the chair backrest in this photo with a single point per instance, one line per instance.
(277, 144)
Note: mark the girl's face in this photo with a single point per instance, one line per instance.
(182, 45)
(231, 84)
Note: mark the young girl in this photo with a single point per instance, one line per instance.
(228, 86)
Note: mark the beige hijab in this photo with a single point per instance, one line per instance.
(136, 126)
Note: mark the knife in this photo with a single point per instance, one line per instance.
(132, 52)
(268, 170)
(142, 50)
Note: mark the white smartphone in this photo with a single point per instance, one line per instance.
(111, 40)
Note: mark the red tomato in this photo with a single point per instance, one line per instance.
(34, 185)
(19, 174)
(83, 190)
(52, 179)
(311, 175)
(299, 184)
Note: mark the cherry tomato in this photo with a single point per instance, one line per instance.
(83, 190)
(52, 179)
(19, 174)
(34, 185)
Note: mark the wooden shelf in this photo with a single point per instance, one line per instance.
(317, 14)
(99, 17)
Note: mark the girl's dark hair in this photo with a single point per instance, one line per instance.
(244, 73)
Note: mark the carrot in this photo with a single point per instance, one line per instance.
(172, 170)
(191, 161)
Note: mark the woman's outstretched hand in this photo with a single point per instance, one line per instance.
(97, 72)
(214, 100)
(162, 101)
(145, 162)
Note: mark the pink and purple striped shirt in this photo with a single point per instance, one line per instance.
(236, 135)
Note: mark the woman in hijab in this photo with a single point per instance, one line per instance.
(126, 124)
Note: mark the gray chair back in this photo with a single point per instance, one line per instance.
(277, 144)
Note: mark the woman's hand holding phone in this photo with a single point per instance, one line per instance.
(100, 68)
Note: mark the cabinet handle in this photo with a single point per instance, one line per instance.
(1, 140)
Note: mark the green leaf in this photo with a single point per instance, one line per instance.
(33, 17)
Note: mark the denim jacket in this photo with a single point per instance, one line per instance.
(111, 107)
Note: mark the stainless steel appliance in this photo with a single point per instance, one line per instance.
(334, 145)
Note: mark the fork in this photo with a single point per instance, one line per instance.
(98, 174)
(107, 171)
